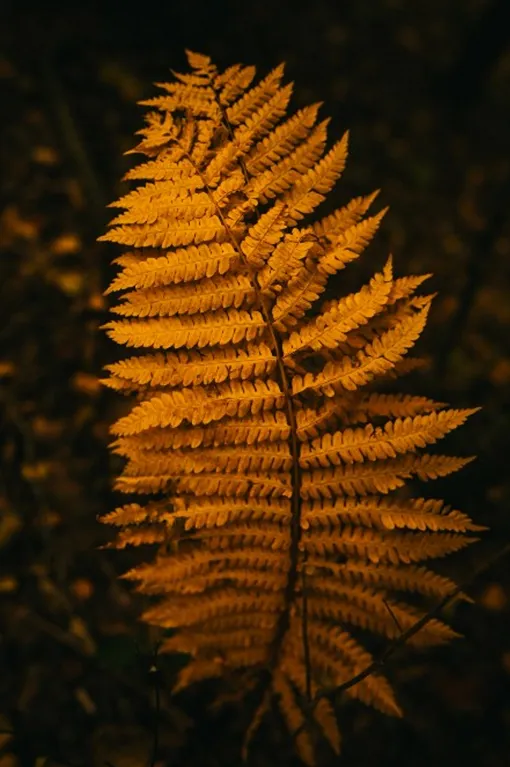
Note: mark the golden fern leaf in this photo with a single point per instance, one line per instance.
(190, 367)
(294, 716)
(404, 577)
(381, 476)
(178, 266)
(285, 261)
(298, 296)
(220, 327)
(309, 190)
(384, 513)
(280, 520)
(281, 140)
(403, 435)
(256, 97)
(234, 81)
(263, 236)
(263, 427)
(347, 245)
(373, 360)
(342, 316)
(373, 405)
(338, 222)
(279, 177)
(201, 405)
(221, 293)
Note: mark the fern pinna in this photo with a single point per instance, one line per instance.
(274, 467)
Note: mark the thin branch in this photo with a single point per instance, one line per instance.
(393, 616)
(405, 636)
(305, 639)
(66, 126)
(157, 707)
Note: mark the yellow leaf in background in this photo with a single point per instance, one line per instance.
(69, 282)
(494, 598)
(46, 428)
(96, 302)
(500, 373)
(8, 584)
(36, 471)
(86, 383)
(121, 746)
(85, 700)
(8, 760)
(79, 629)
(49, 518)
(65, 244)
(13, 225)
(7, 70)
(7, 368)
(128, 85)
(45, 155)
(10, 523)
(82, 588)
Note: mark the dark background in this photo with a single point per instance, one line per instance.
(424, 87)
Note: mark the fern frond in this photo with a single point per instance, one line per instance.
(264, 427)
(380, 476)
(375, 359)
(338, 222)
(182, 205)
(255, 97)
(402, 435)
(234, 82)
(309, 191)
(297, 296)
(198, 60)
(404, 577)
(294, 717)
(254, 485)
(216, 512)
(254, 126)
(277, 468)
(263, 236)
(368, 610)
(281, 140)
(373, 405)
(185, 566)
(332, 326)
(172, 232)
(198, 101)
(278, 178)
(220, 293)
(385, 514)
(181, 265)
(201, 405)
(189, 368)
(220, 327)
(347, 245)
(285, 260)
(264, 457)
(196, 610)
(375, 547)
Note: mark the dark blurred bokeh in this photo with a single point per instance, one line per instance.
(424, 87)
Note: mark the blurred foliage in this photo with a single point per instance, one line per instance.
(424, 88)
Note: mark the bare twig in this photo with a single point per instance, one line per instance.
(405, 636)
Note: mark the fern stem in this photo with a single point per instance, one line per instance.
(295, 524)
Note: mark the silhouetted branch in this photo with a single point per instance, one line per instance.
(401, 640)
